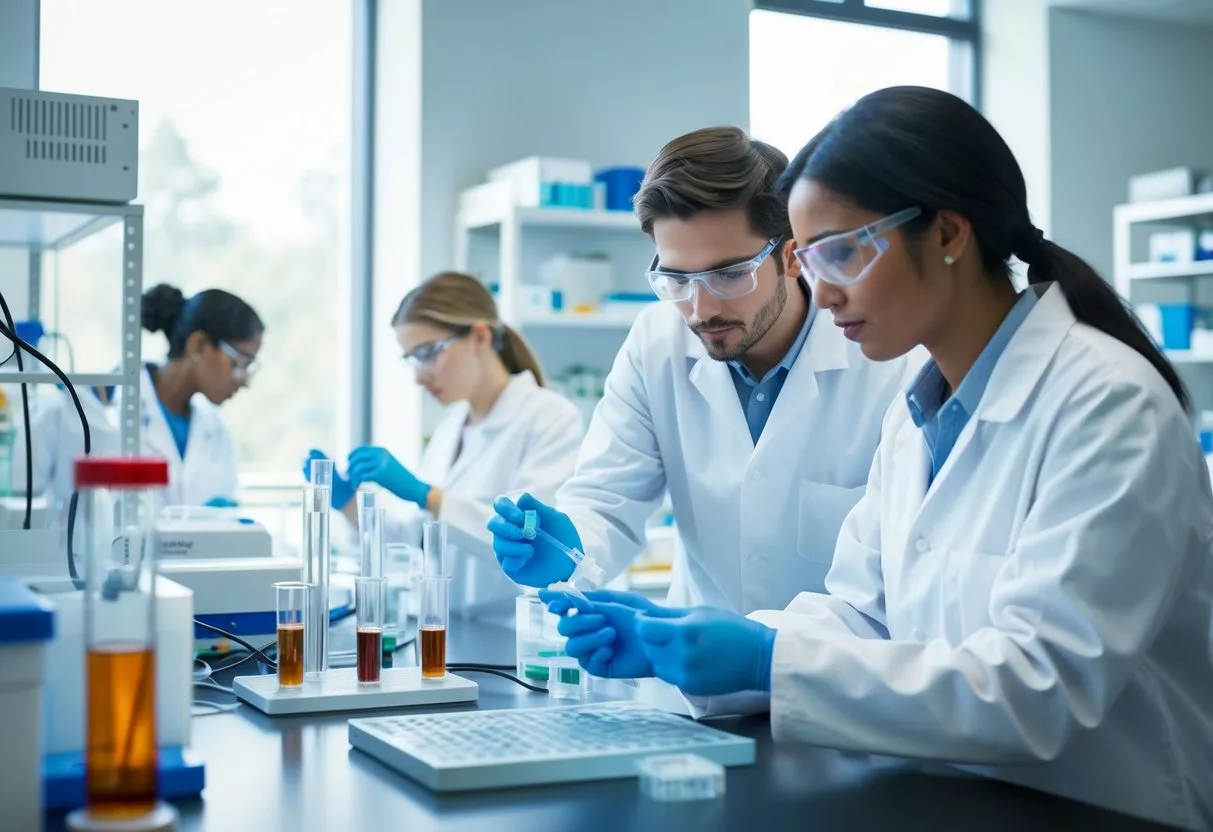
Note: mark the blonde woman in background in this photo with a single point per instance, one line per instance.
(506, 434)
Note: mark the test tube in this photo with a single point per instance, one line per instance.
(434, 546)
(369, 600)
(292, 604)
(398, 569)
(317, 500)
(118, 510)
(432, 623)
(371, 523)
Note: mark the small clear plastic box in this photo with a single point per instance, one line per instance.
(566, 679)
(675, 777)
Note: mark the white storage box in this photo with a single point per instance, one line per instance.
(1163, 184)
(529, 177)
(26, 626)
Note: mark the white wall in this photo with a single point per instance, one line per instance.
(608, 82)
(1128, 97)
(1015, 92)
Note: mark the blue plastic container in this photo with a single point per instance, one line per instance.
(1177, 322)
(621, 185)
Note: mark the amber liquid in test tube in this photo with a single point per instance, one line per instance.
(292, 602)
(432, 624)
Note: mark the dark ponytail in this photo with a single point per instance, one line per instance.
(219, 315)
(905, 147)
(517, 354)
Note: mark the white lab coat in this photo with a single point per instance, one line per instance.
(757, 523)
(209, 468)
(1042, 609)
(527, 443)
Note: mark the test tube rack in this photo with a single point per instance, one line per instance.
(338, 690)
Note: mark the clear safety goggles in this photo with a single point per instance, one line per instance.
(727, 283)
(424, 356)
(244, 366)
(844, 259)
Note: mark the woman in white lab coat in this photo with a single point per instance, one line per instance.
(213, 341)
(505, 434)
(1026, 585)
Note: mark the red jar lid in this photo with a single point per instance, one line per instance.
(121, 472)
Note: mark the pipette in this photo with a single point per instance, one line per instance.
(586, 572)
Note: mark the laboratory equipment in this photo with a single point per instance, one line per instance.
(340, 690)
(566, 679)
(434, 592)
(586, 573)
(368, 602)
(537, 640)
(678, 777)
(8, 438)
(233, 594)
(292, 603)
(317, 497)
(118, 499)
(76, 147)
(27, 623)
(401, 564)
(502, 748)
(433, 549)
(541, 181)
(621, 183)
(203, 532)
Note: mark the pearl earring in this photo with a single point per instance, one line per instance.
(948, 259)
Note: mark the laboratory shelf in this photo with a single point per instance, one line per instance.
(1165, 210)
(52, 226)
(553, 218)
(42, 227)
(47, 377)
(1170, 271)
(605, 319)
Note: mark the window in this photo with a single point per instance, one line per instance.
(244, 172)
(810, 59)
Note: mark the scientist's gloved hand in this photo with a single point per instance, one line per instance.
(377, 465)
(532, 562)
(602, 636)
(343, 489)
(708, 651)
(221, 502)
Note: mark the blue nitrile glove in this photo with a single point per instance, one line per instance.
(532, 562)
(343, 489)
(221, 502)
(377, 465)
(602, 636)
(708, 651)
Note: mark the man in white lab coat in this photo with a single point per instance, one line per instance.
(755, 413)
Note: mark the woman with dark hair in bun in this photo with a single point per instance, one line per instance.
(213, 341)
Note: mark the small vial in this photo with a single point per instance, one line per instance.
(369, 597)
(530, 521)
(292, 601)
(432, 623)
(671, 777)
(566, 679)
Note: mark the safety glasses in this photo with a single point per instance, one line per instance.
(844, 259)
(424, 356)
(243, 365)
(727, 283)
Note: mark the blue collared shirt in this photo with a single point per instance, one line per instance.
(758, 395)
(941, 421)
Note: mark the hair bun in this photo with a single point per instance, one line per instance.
(161, 308)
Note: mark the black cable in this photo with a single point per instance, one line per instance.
(260, 653)
(472, 668)
(29, 445)
(18, 343)
(233, 637)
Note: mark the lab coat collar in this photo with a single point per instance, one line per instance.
(1023, 363)
(510, 402)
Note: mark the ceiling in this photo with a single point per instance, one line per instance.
(1186, 12)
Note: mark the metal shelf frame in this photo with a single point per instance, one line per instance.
(48, 226)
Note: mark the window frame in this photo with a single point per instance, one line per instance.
(963, 32)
